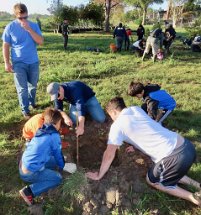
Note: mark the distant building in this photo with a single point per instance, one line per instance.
(162, 15)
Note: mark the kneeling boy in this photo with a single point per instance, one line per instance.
(158, 104)
(42, 155)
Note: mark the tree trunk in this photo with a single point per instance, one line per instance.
(174, 18)
(168, 10)
(144, 16)
(107, 15)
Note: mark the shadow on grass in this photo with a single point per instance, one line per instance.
(187, 122)
(77, 43)
(164, 204)
(187, 56)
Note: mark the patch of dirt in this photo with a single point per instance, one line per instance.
(121, 188)
(13, 129)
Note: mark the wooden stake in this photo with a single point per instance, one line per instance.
(77, 140)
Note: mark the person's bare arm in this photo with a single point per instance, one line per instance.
(6, 57)
(108, 157)
(36, 37)
(67, 119)
(80, 126)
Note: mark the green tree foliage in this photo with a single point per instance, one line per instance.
(69, 13)
(133, 16)
(118, 15)
(192, 6)
(183, 11)
(5, 16)
(194, 29)
(143, 4)
(93, 12)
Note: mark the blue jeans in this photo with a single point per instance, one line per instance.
(26, 78)
(92, 107)
(44, 179)
(119, 42)
(167, 113)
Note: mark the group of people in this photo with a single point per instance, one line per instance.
(156, 41)
(42, 162)
(141, 127)
(123, 35)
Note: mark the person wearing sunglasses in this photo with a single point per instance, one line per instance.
(20, 40)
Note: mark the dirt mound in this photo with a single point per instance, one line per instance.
(124, 183)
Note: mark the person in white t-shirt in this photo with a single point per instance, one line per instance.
(172, 154)
(138, 47)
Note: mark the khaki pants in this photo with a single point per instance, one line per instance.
(152, 43)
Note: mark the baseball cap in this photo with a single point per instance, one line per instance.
(53, 89)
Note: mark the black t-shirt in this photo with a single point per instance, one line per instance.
(150, 88)
(171, 31)
(64, 28)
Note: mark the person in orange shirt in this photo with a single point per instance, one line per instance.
(32, 125)
(36, 122)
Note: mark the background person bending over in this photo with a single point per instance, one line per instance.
(82, 101)
(154, 42)
(172, 154)
(138, 47)
(157, 103)
(22, 37)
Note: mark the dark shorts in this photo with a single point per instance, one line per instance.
(171, 169)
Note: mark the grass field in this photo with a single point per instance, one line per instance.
(109, 75)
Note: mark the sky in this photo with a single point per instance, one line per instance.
(162, 6)
(40, 6)
(36, 6)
